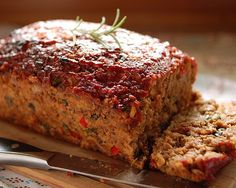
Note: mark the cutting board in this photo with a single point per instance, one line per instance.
(226, 178)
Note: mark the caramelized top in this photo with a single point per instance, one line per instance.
(47, 51)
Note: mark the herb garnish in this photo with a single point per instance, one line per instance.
(96, 34)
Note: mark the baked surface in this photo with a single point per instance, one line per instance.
(199, 141)
(112, 100)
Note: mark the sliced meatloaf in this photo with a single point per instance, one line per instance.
(198, 143)
(106, 99)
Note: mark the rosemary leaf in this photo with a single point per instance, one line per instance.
(113, 28)
(97, 34)
(101, 24)
(117, 17)
(116, 40)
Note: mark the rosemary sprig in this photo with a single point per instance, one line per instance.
(97, 34)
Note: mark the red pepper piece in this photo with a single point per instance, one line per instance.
(137, 104)
(183, 70)
(75, 135)
(69, 174)
(115, 150)
(83, 122)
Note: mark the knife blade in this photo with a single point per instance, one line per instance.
(20, 154)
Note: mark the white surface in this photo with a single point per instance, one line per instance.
(212, 87)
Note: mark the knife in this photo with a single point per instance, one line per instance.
(20, 154)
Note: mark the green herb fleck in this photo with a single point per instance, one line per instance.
(9, 101)
(63, 101)
(65, 127)
(212, 117)
(219, 131)
(20, 44)
(91, 131)
(46, 127)
(64, 60)
(56, 82)
(208, 117)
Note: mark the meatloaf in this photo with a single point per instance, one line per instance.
(106, 99)
(198, 142)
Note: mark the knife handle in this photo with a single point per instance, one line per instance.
(25, 160)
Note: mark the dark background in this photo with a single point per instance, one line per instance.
(143, 15)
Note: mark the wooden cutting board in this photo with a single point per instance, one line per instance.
(226, 178)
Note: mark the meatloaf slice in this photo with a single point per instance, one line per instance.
(198, 143)
(106, 99)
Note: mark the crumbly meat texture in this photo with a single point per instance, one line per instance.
(111, 100)
(198, 143)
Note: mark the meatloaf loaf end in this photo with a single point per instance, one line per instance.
(106, 99)
(198, 143)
